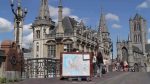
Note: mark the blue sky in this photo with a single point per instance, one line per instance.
(117, 14)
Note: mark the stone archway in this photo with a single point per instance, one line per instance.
(124, 54)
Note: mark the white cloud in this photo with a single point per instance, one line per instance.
(116, 26)
(66, 12)
(148, 40)
(149, 30)
(27, 40)
(54, 12)
(26, 29)
(112, 17)
(27, 35)
(5, 25)
(145, 4)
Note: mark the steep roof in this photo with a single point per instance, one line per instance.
(68, 24)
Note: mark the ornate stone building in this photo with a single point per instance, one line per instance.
(135, 50)
(49, 39)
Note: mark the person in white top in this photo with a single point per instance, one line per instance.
(94, 64)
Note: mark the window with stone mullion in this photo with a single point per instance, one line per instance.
(68, 47)
(51, 51)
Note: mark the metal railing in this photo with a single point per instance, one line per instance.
(41, 68)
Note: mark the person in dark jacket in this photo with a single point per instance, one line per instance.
(100, 62)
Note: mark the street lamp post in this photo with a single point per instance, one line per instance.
(19, 14)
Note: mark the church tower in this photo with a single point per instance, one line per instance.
(138, 32)
(42, 26)
(105, 36)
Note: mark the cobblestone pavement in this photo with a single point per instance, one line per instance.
(110, 78)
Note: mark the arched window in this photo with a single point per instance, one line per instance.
(134, 38)
(135, 27)
(138, 27)
(139, 38)
(51, 51)
(37, 33)
(37, 46)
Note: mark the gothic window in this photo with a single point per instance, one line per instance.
(134, 27)
(67, 47)
(138, 27)
(134, 38)
(37, 33)
(139, 38)
(51, 51)
(37, 48)
(44, 30)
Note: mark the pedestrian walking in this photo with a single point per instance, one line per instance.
(122, 65)
(125, 66)
(99, 62)
(118, 66)
(94, 64)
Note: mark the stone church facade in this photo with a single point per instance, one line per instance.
(135, 51)
(49, 39)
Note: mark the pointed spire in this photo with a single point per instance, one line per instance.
(117, 39)
(60, 16)
(102, 23)
(81, 23)
(129, 39)
(44, 10)
(60, 10)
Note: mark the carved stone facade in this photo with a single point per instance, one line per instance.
(50, 40)
(135, 49)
